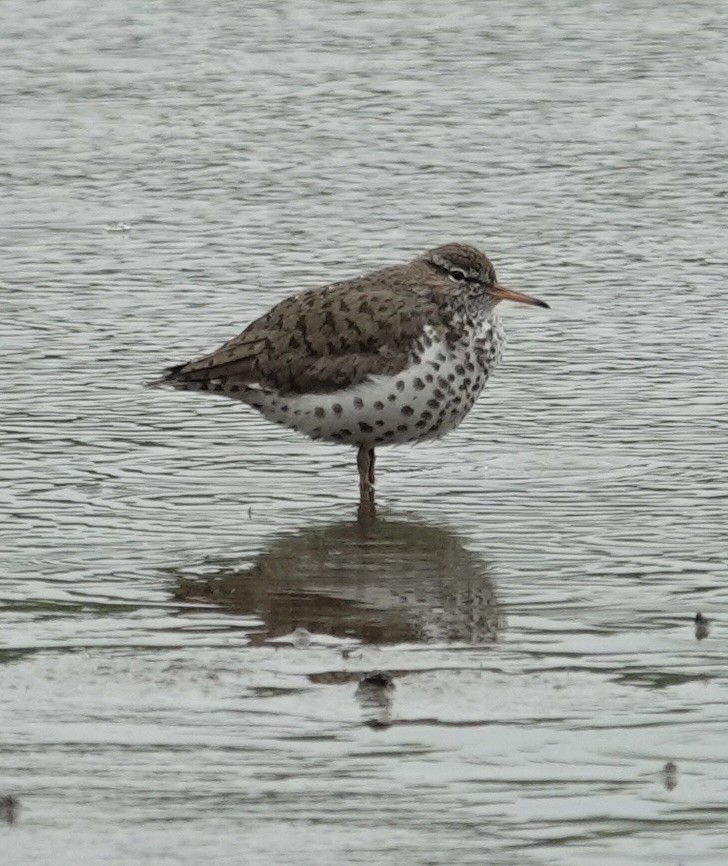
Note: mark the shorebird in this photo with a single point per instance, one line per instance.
(397, 355)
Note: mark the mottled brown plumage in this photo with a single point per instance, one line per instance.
(325, 339)
(398, 355)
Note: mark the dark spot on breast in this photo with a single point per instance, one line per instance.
(441, 358)
(285, 408)
(429, 377)
(358, 403)
(296, 411)
(435, 366)
(344, 432)
(337, 408)
(379, 423)
(402, 428)
(378, 404)
(388, 434)
(437, 394)
(451, 377)
(419, 384)
(433, 404)
(365, 428)
(391, 397)
(427, 416)
(421, 424)
(460, 370)
(335, 435)
(408, 410)
(442, 382)
(400, 385)
(319, 412)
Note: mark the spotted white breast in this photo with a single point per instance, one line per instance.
(430, 397)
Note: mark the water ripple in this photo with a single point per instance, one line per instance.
(171, 172)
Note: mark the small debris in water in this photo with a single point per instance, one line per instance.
(702, 626)
(117, 227)
(378, 724)
(669, 775)
(301, 637)
(9, 806)
(377, 679)
(350, 652)
(374, 694)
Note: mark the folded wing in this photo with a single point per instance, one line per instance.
(321, 340)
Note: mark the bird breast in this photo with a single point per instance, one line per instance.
(428, 398)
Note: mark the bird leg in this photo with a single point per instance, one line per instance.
(365, 464)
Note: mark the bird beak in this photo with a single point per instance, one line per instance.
(501, 293)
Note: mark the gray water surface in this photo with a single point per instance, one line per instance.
(187, 608)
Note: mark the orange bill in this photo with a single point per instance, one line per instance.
(504, 294)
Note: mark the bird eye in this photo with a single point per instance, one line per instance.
(457, 275)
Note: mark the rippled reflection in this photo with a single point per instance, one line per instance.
(386, 583)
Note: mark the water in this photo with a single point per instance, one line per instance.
(171, 169)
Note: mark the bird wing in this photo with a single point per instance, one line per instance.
(322, 340)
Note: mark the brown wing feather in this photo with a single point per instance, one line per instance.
(325, 339)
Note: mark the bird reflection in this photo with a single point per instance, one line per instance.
(391, 581)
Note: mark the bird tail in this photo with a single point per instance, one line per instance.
(184, 380)
(169, 377)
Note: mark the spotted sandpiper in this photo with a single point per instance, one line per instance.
(395, 356)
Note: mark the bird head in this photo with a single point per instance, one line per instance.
(473, 271)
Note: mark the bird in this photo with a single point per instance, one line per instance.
(398, 355)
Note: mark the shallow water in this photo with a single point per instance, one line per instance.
(187, 609)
